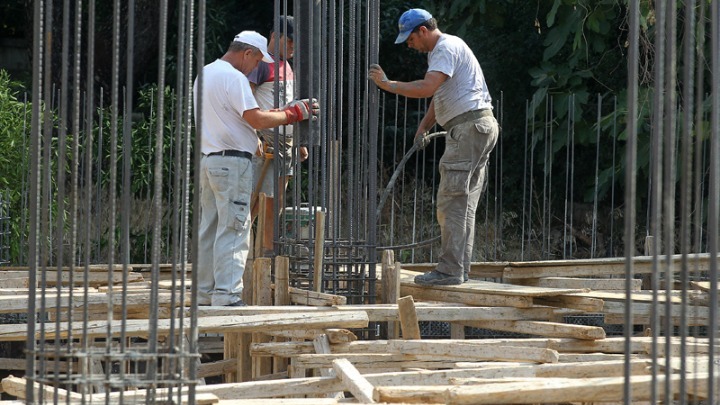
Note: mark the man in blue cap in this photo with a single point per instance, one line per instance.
(462, 105)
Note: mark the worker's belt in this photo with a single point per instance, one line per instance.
(230, 152)
(468, 116)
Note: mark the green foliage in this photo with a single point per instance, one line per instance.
(14, 127)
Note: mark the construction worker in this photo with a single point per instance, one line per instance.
(262, 81)
(228, 120)
(462, 105)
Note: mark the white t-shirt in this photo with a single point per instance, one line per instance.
(226, 96)
(465, 89)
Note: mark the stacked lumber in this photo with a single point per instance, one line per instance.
(300, 347)
(604, 278)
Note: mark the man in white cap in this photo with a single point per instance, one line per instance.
(228, 120)
(462, 105)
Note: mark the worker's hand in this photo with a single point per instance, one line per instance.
(301, 110)
(422, 140)
(376, 74)
(303, 153)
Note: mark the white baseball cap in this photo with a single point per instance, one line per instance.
(256, 40)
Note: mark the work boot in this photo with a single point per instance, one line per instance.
(436, 278)
(465, 277)
(239, 303)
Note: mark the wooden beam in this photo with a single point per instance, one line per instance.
(390, 292)
(262, 275)
(353, 381)
(408, 318)
(215, 324)
(547, 329)
(95, 279)
(487, 287)
(464, 297)
(215, 368)
(14, 282)
(319, 249)
(334, 335)
(16, 387)
(445, 312)
(477, 269)
(20, 304)
(468, 350)
(282, 298)
(695, 316)
(551, 390)
(586, 304)
(594, 267)
(574, 282)
(312, 298)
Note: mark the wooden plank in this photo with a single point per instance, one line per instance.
(312, 298)
(551, 390)
(216, 324)
(487, 287)
(467, 350)
(335, 335)
(446, 312)
(374, 362)
(16, 387)
(408, 318)
(20, 304)
(586, 304)
(573, 282)
(390, 292)
(463, 297)
(322, 346)
(477, 269)
(319, 252)
(575, 358)
(262, 274)
(91, 268)
(547, 329)
(354, 381)
(95, 279)
(216, 368)
(14, 282)
(696, 316)
(701, 285)
(231, 350)
(282, 298)
(594, 267)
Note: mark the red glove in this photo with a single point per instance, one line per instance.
(301, 110)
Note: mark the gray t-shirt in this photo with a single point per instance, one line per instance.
(465, 89)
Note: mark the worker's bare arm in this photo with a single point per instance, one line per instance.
(261, 119)
(423, 88)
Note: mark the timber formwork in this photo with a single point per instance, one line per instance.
(298, 347)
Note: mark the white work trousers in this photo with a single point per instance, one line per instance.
(225, 189)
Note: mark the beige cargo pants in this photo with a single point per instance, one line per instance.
(463, 177)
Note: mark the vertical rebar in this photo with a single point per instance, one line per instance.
(630, 187)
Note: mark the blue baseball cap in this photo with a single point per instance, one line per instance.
(409, 21)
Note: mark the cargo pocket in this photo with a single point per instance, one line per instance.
(238, 215)
(484, 127)
(455, 178)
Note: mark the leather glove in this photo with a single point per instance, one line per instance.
(422, 140)
(301, 110)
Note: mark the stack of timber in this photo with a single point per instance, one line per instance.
(301, 347)
(605, 278)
